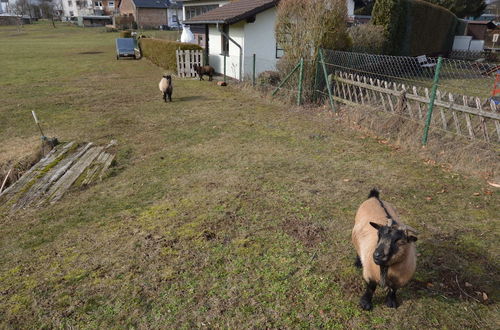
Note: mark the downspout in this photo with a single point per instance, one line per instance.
(237, 45)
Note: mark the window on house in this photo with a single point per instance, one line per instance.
(70, 3)
(111, 4)
(98, 3)
(225, 41)
(192, 11)
(71, 13)
(279, 51)
(175, 19)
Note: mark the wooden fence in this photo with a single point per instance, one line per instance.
(471, 117)
(185, 61)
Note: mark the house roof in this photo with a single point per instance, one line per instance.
(233, 12)
(156, 4)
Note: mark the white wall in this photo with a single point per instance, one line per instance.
(260, 39)
(171, 13)
(236, 32)
(77, 11)
(350, 7)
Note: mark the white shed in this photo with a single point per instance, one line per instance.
(239, 30)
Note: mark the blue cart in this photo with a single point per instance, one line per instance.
(126, 47)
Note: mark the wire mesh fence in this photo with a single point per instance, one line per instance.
(456, 76)
(460, 91)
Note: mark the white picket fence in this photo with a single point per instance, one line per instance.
(471, 117)
(185, 61)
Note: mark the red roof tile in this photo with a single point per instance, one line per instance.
(233, 12)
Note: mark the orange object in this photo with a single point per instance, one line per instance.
(496, 88)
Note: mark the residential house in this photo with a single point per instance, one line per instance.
(72, 9)
(3, 6)
(193, 8)
(153, 14)
(238, 30)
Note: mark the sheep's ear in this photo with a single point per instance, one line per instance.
(375, 225)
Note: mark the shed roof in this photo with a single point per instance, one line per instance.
(233, 12)
(156, 4)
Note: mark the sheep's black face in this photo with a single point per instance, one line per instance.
(390, 238)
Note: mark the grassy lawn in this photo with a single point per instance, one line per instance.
(224, 210)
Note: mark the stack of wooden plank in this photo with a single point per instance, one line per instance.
(67, 165)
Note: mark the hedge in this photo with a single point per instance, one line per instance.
(415, 27)
(162, 52)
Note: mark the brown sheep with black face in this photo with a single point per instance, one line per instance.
(204, 70)
(385, 248)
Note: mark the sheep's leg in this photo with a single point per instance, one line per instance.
(210, 78)
(357, 262)
(170, 97)
(366, 299)
(201, 77)
(391, 300)
(165, 96)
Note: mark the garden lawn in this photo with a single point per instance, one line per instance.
(223, 210)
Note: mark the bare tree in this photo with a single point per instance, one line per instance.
(21, 8)
(51, 9)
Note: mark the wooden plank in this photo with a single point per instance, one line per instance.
(389, 96)
(355, 93)
(482, 122)
(454, 115)
(382, 98)
(361, 96)
(33, 171)
(497, 123)
(368, 97)
(467, 119)
(178, 57)
(65, 182)
(414, 97)
(349, 87)
(106, 166)
(462, 108)
(344, 93)
(94, 168)
(409, 104)
(374, 95)
(43, 184)
(441, 111)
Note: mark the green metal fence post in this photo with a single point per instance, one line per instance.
(253, 73)
(316, 74)
(432, 99)
(286, 79)
(325, 73)
(301, 78)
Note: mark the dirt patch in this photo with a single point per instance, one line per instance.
(308, 233)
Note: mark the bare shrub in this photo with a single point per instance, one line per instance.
(367, 38)
(304, 26)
